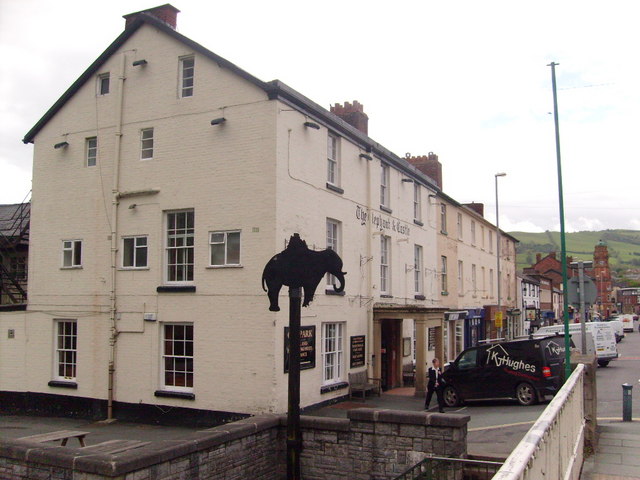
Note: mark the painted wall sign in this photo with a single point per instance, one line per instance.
(307, 348)
(381, 222)
(357, 351)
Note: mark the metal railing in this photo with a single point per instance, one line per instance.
(445, 468)
(553, 447)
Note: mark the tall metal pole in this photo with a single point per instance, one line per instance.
(563, 243)
(583, 313)
(499, 312)
(294, 437)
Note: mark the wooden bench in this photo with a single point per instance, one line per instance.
(359, 382)
(63, 435)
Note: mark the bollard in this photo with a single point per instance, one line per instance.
(626, 402)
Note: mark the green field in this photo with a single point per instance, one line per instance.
(623, 246)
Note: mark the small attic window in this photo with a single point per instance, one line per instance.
(103, 83)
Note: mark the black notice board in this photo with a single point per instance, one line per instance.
(357, 351)
(307, 348)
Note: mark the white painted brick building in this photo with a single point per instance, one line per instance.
(164, 179)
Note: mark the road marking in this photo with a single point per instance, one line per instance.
(502, 426)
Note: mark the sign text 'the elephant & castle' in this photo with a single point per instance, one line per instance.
(381, 222)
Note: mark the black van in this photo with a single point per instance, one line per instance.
(526, 370)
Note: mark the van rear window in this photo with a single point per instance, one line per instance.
(553, 348)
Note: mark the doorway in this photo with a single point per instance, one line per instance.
(391, 353)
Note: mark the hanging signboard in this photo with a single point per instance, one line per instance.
(357, 351)
(307, 348)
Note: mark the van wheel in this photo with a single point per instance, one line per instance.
(603, 363)
(526, 394)
(451, 398)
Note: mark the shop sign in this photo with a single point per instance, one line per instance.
(307, 348)
(381, 222)
(357, 351)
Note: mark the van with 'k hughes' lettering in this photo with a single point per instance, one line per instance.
(525, 370)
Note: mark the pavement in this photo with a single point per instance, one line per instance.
(616, 456)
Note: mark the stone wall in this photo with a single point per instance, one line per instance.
(370, 444)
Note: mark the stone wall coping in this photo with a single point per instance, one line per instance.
(408, 417)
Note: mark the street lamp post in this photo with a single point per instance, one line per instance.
(499, 312)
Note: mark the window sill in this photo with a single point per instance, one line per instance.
(176, 289)
(444, 232)
(76, 267)
(419, 297)
(171, 394)
(333, 387)
(333, 188)
(331, 291)
(418, 222)
(133, 269)
(63, 384)
(444, 294)
(218, 267)
(386, 296)
(386, 209)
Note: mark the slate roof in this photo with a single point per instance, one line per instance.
(13, 218)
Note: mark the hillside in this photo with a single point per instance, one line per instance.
(624, 247)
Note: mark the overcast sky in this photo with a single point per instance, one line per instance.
(467, 80)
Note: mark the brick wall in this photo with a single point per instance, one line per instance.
(369, 444)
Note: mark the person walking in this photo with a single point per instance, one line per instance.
(435, 384)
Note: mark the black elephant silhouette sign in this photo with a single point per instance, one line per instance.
(297, 266)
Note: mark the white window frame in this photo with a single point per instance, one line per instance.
(490, 241)
(460, 277)
(474, 279)
(65, 355)
(444, 274)
(385, 265)
(484, 282)
(138, 243)
(417, 270)
(224, 241)
(177, 356)
(334, 234)
(333, 359)
(482, 235)
(417, 203)
(146, 143)
(187, 77)
(460, 234)
(333, 160)
(186, 250)
(491, 282)
(473, 232)
(91, 151)
(384, 185)
(101, 82)
(443, 218)
(72, 253)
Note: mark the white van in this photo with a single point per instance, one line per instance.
(576, 339)
(627, 322)
(618, 329)
(603, 337)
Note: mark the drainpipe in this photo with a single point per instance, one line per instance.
(113, 337)
(369, 277)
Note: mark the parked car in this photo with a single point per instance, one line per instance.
(525, 370)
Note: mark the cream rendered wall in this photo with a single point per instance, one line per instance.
(216, 170)
(305, 203)
(261, 172)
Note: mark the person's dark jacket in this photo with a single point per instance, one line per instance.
(435, 376)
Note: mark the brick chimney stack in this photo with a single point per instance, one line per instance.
(476, 207)
(166, 13)
(429, 165)
(353, 114)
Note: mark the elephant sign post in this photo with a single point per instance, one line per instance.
(299, 268)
